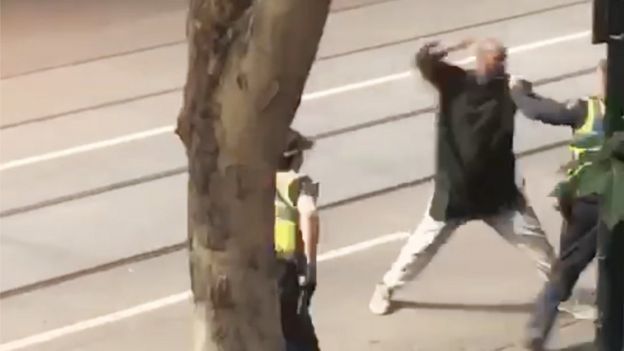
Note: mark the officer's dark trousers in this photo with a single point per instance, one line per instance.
(296, 322)
(577, 249)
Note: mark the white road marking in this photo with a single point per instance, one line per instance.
(306, 97)
(86, 147)
(172, 300)
(94, 322)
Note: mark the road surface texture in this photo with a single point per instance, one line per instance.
(92, 213)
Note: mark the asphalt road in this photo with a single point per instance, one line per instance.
(92, 210)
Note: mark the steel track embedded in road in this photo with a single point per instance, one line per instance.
(54, 116)
(181, 170)
(159, 46)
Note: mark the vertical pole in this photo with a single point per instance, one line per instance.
(609, 326)
(615, 72)
(610, 255)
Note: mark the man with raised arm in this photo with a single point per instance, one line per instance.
(475, 166)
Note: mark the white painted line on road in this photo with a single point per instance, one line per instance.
(309, 96)
(172, 300)
(95, 322)
(356, 86)
(86, 147)
(403, 75)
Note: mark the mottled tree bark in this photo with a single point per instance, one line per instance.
(248, 63)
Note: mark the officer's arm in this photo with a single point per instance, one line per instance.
(547, 110)
(309, 219)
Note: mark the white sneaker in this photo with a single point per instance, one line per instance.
(580, 311)
(380, 302)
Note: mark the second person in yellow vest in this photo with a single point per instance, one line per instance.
(296, 241)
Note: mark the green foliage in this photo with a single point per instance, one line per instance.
(602, 174)
(613, 202)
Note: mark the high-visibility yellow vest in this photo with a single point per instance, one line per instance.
(593, 124)
(287, 237)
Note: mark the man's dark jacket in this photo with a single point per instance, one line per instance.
(475, 163)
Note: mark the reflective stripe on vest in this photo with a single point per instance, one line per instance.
(286, 217)
(593, 124)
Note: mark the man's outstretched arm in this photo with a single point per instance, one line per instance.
(547, 110)
(309, 224)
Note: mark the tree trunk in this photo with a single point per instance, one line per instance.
(248, 63)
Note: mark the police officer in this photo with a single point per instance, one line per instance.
(579, 234)
(296, 241)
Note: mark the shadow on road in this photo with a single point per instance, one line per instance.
(589, 346)
(499, 308)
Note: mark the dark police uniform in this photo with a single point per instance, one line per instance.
(294, 299)
(579, 232)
